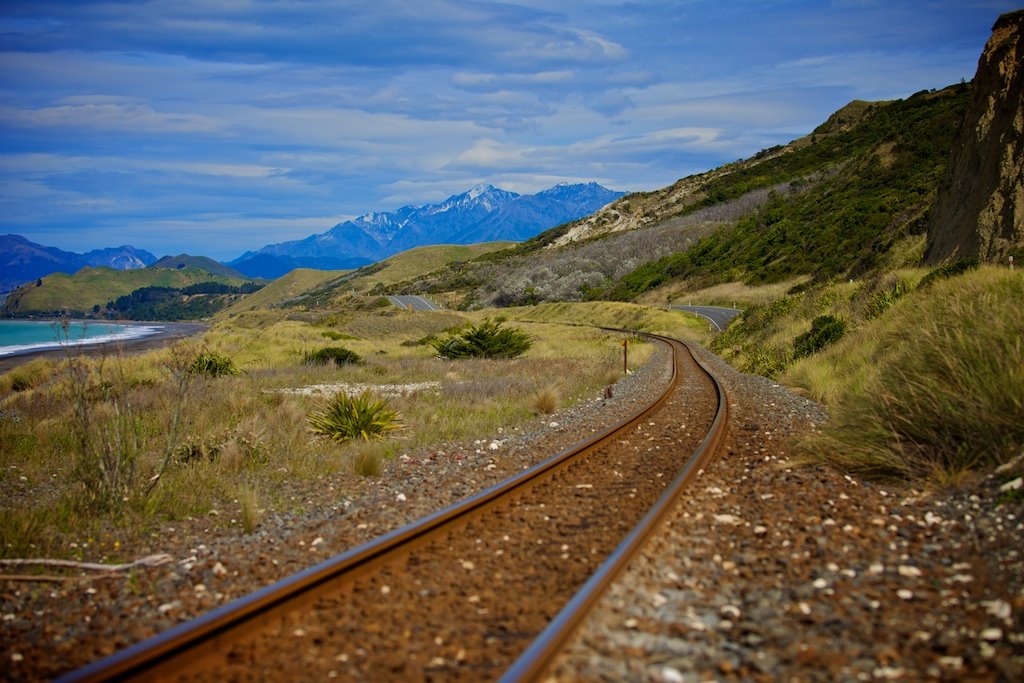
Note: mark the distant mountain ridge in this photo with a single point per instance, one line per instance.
(483, 213)
(22, 260)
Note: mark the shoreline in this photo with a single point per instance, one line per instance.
(169, 332)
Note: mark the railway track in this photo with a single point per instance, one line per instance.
(488, 588)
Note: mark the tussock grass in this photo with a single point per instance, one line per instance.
(211, 440)
(28, 376)
(546, 400)
(368, 459)
(932, 388)
(251, 513)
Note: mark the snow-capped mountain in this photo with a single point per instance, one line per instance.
(483, 213)
(22, 260)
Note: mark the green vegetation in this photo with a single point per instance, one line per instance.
(825, 330)
(180, 444)
(213, 364)
(88, 291)
(411, 264)
(170, 303)
(931, 389)
(949, 270)
(338, 355)
(345, 417)
(285, 289)
(854, 194)
(489, 339)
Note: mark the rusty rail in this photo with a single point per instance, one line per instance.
(532, 664)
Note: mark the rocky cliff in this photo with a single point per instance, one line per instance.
(979, 211)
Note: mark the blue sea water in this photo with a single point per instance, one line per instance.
(20, 336)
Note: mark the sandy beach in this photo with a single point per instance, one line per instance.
(168, 333)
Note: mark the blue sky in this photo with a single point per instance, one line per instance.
(217, 126)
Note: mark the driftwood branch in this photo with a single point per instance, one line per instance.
(148, 561)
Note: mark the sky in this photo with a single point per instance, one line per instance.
(214, 127)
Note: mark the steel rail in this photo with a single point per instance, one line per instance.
(201, 637)
(538, 657)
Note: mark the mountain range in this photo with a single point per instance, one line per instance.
(482, 214)
(22, 260)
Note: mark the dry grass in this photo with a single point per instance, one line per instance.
(217, 442)
(368, 459)
(546, 400)
(729, 294)
(931, 389)
(251, 513)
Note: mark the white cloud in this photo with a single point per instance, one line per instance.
(121, 117)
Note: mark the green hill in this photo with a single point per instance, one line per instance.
(81, 293)
(415, 263)
(286, 288)
(201, 262)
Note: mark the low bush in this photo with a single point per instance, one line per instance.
(338, 355)
(489, 339)
(213, 364)
(767, 361)
(343, 418)
(825, 330)
(958, 267)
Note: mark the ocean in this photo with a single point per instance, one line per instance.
(20, 336)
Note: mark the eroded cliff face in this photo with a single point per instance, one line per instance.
(979, 211)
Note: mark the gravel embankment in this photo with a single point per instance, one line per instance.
(770, 573)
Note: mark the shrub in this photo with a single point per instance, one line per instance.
(825, 330)
(345, 417)
(767, 361)
(883, 301)
(489, 339)
(957, 267)
(213, 364)
(339, 355)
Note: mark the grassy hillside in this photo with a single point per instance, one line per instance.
(412, 264)
(286, 288)
(929, 387)
(854, 194)
(90, 287)
(200, 262)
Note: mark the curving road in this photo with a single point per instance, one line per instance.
(416, 303)
(719, 316)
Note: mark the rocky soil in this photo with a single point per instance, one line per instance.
(768, 572)
(765, 572)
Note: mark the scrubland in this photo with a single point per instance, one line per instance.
(925, 382)
(115, 445)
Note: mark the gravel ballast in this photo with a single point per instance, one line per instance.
(767, 572)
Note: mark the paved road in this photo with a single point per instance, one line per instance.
(720, 317)
(418, 303)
